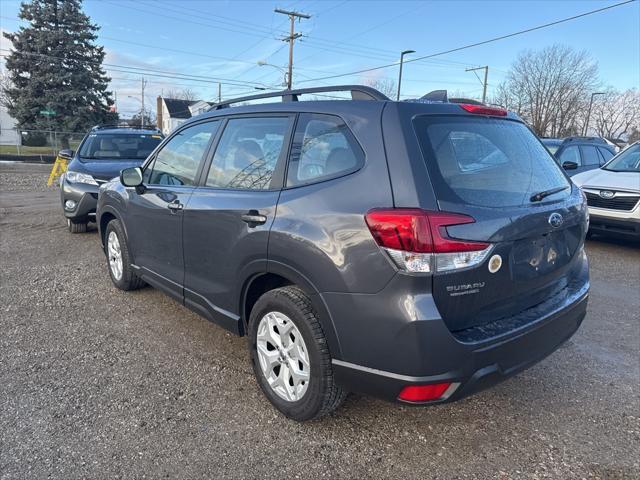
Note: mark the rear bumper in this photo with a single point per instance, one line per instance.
(484, 366)
(417, 348)
(85, 196)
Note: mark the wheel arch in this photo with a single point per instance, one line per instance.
(278, 275)
(108, 213)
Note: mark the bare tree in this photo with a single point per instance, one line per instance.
(184, 94)
(384, 85)
(549, 89)
(615, 114)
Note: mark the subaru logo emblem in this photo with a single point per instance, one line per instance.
(606, 194)
(555, 220)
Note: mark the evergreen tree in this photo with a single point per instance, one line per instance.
(56, 66)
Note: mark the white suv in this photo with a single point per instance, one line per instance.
(613, 194)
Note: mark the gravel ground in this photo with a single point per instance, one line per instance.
(99, 383)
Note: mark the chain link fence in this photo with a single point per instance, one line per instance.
(36, 145)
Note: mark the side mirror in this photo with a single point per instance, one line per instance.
(569, 165)
(66, 153)
(131, 177)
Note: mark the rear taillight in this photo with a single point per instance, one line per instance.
(417, 240)
(426, 393)
(483, 110)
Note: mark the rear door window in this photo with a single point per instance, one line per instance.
(323, 148)
(590, 155)
(486, 162)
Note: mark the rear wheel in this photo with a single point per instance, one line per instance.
(290, 357)
(119, 259)
(76, 226)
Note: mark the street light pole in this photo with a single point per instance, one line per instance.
(402, 54)
(586, 125)
(262, 63)
(144, 83)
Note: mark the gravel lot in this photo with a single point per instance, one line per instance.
(99, 383)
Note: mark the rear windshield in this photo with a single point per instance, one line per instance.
(487, 162)
(114, 146)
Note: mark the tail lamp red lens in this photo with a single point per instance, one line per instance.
(483, 110)
(419, 231)
(423, 393)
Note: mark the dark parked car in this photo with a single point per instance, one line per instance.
(103, 152)
(416, 251)
(580, 154)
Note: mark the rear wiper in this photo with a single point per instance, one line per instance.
(536, 197)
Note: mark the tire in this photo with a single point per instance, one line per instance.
(76, 227)
(321, 395)
(123, 277)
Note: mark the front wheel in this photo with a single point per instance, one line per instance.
(290, 356)
(75, 226)
(119, 258)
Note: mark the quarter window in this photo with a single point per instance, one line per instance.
(571, 154)
(324, 147)
(248, 152)
(178, 161)
(606, 154)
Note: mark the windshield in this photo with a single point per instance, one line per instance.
(119, 146)
(626, 161)
(488, 162)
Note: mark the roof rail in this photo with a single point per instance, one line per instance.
(578, 138)
(120, 125)
(358, 92)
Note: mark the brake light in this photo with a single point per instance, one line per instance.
(417, 240)
(423, 393)
(483, 110)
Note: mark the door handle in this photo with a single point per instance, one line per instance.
(175, 206)
(252, 217)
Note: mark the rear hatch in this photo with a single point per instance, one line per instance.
(520, 203)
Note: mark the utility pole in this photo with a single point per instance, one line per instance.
(219, 92)
(484, 84)
(291, 38)
(144, 84)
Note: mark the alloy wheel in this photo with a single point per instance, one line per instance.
(115, 255)
(283, 356)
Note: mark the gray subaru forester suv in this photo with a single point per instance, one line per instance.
(418, 251)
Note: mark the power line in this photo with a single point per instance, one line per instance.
(336, 49)
(484, 42)
(152, 72)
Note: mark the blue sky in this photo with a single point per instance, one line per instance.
(225, 40)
